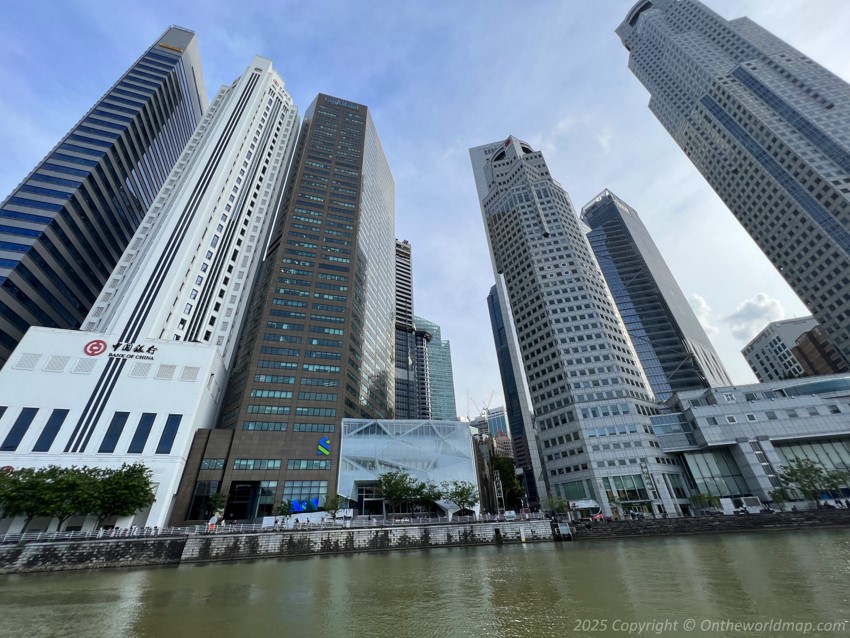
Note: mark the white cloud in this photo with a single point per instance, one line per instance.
(605, 138)
(565, 125)
(703, 312)
(754, 314)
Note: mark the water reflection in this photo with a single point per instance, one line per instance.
(508, 592)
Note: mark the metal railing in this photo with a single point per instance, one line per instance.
(100, 534)
(360, 522)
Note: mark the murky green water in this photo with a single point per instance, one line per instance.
(573, 589)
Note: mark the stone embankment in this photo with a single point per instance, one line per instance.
(139, 552)
(177, 550)
(714, 524)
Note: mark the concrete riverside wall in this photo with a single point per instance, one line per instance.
(92, 554)
(714, 524)
(141, 552)
(174, 550)
(316, 542)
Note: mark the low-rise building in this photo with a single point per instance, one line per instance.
(769, 352)
(734, 441)
(427, 450)
(817, 355)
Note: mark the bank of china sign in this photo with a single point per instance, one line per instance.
(120, 350)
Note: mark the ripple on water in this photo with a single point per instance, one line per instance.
(532, 591)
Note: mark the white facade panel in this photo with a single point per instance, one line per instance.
(161, 336)
(165, 378)
(427, 450)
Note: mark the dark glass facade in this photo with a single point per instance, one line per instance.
(513, 406)
(435, 365)
(412, 387)
(673, 349)
(767, 127)
(64, 228)
(319, 342)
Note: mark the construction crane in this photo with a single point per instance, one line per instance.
(482, 411)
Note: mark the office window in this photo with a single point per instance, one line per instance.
(169, 433)
(307, 464)
(19, 429)
(51, 429)
(113, 433)
(140, 436)
(256, 464)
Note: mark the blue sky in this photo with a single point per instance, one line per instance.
(440, 77)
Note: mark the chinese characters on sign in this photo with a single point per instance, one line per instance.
(130, 350)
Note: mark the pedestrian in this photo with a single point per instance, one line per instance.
(847, 503)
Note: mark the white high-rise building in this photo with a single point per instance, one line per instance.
(769, 352)
(767, 128)
(149, 365)
(589, 394)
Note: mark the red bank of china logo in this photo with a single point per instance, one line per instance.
(95, 347)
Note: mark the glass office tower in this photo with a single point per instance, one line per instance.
(674, 350)
(520, 419)
(63, 229)
(319, 343)
(441, 384)
(412, 390)
(587, 387)
(767, 127)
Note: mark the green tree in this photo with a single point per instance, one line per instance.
(68, 491)
(427, 493)
(780, 496)
(807, 476)
(25, 492)
(557, 504)
(511, 486)
(398, 487)
(285, 510)
(333, 504)
(121, 492)
(834, 480)
(461, 493)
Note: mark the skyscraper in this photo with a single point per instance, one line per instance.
(319, 344)
(441, 384)
(63, 229)
(497, 421)
(412, 390)
(767, 127)
(769, 353)
(672, 346)
(151, 363)
(590, 397)
(817, 355)
(520, 419)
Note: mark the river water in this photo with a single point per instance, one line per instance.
(698, 586)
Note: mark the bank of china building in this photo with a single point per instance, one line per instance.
(150, 363)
